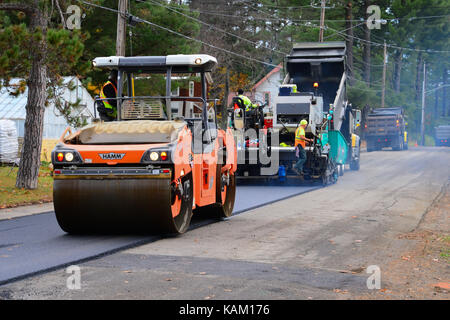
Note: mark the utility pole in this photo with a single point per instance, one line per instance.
(383, 92)
(121, 27)
(322, 20)
(422, 125)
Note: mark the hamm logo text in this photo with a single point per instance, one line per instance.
(111, 156)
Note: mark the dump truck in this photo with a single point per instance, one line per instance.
(386, 127)
(314, 89)
(152, 168)
(442, 136)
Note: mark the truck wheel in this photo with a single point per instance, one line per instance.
(341, 169)
(354, 165)
(398, 145)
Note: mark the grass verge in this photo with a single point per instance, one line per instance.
(11, 197)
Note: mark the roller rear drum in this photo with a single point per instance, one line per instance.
(122, 205)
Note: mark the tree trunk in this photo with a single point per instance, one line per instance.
(436, 104)
(349, 41)
(444, 93)
(27, 176)
(227, 88)
(398, 70)
(366, 52)
(419, 67)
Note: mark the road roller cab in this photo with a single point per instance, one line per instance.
(164, 158)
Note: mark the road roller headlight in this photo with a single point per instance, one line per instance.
(157, 155)
(154, 156)
(61, 156)
(69, 156)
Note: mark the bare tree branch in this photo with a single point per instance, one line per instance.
(61, 14)
(16, 6)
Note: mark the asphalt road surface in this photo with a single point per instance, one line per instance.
(32, 244)
(317, 245)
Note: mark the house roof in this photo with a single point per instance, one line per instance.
(12, 107)
(267, 76)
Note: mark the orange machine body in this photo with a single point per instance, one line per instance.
(181, 160)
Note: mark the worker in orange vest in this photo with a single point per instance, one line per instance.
(300, 145)
(107, 108)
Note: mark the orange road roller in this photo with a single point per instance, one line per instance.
(160, 160)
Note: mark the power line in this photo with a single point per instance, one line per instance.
(388, 45)
(309, 6)
(368, 90)
(214, 27)
(183, 35)
(357, 25)
(357, 59)
(362, 81)
(437, 88)
(285, 7)
(220, 13)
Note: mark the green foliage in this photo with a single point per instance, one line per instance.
(145, 39)
(61, 49)
(14, 59)
(262, 31)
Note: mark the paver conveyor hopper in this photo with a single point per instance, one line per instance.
(164, 156)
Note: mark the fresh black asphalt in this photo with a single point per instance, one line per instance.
(33, 244)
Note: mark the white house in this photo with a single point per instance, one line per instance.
(267, 88)
(13, 108)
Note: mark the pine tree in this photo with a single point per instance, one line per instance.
(41, 51)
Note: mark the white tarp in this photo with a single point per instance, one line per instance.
(9, 145)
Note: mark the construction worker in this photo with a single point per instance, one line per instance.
(247, 102)
(300, 145)
(108, 108)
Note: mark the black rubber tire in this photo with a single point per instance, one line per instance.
(120, 206)
(341, 169)
(225, 210)
(398, 145)
(354, 165)
(219, 210)
(181, 222)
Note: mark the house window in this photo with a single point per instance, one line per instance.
(175, 92)
(191, 88)
(267, 98)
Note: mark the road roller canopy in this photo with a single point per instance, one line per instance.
(180, 63)
(161, 88)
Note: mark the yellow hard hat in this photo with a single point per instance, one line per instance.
(303, 122)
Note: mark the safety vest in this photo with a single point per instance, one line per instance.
(300, 132)
(248, 104)
(106, 103)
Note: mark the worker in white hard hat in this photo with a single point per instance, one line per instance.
(300, 145)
